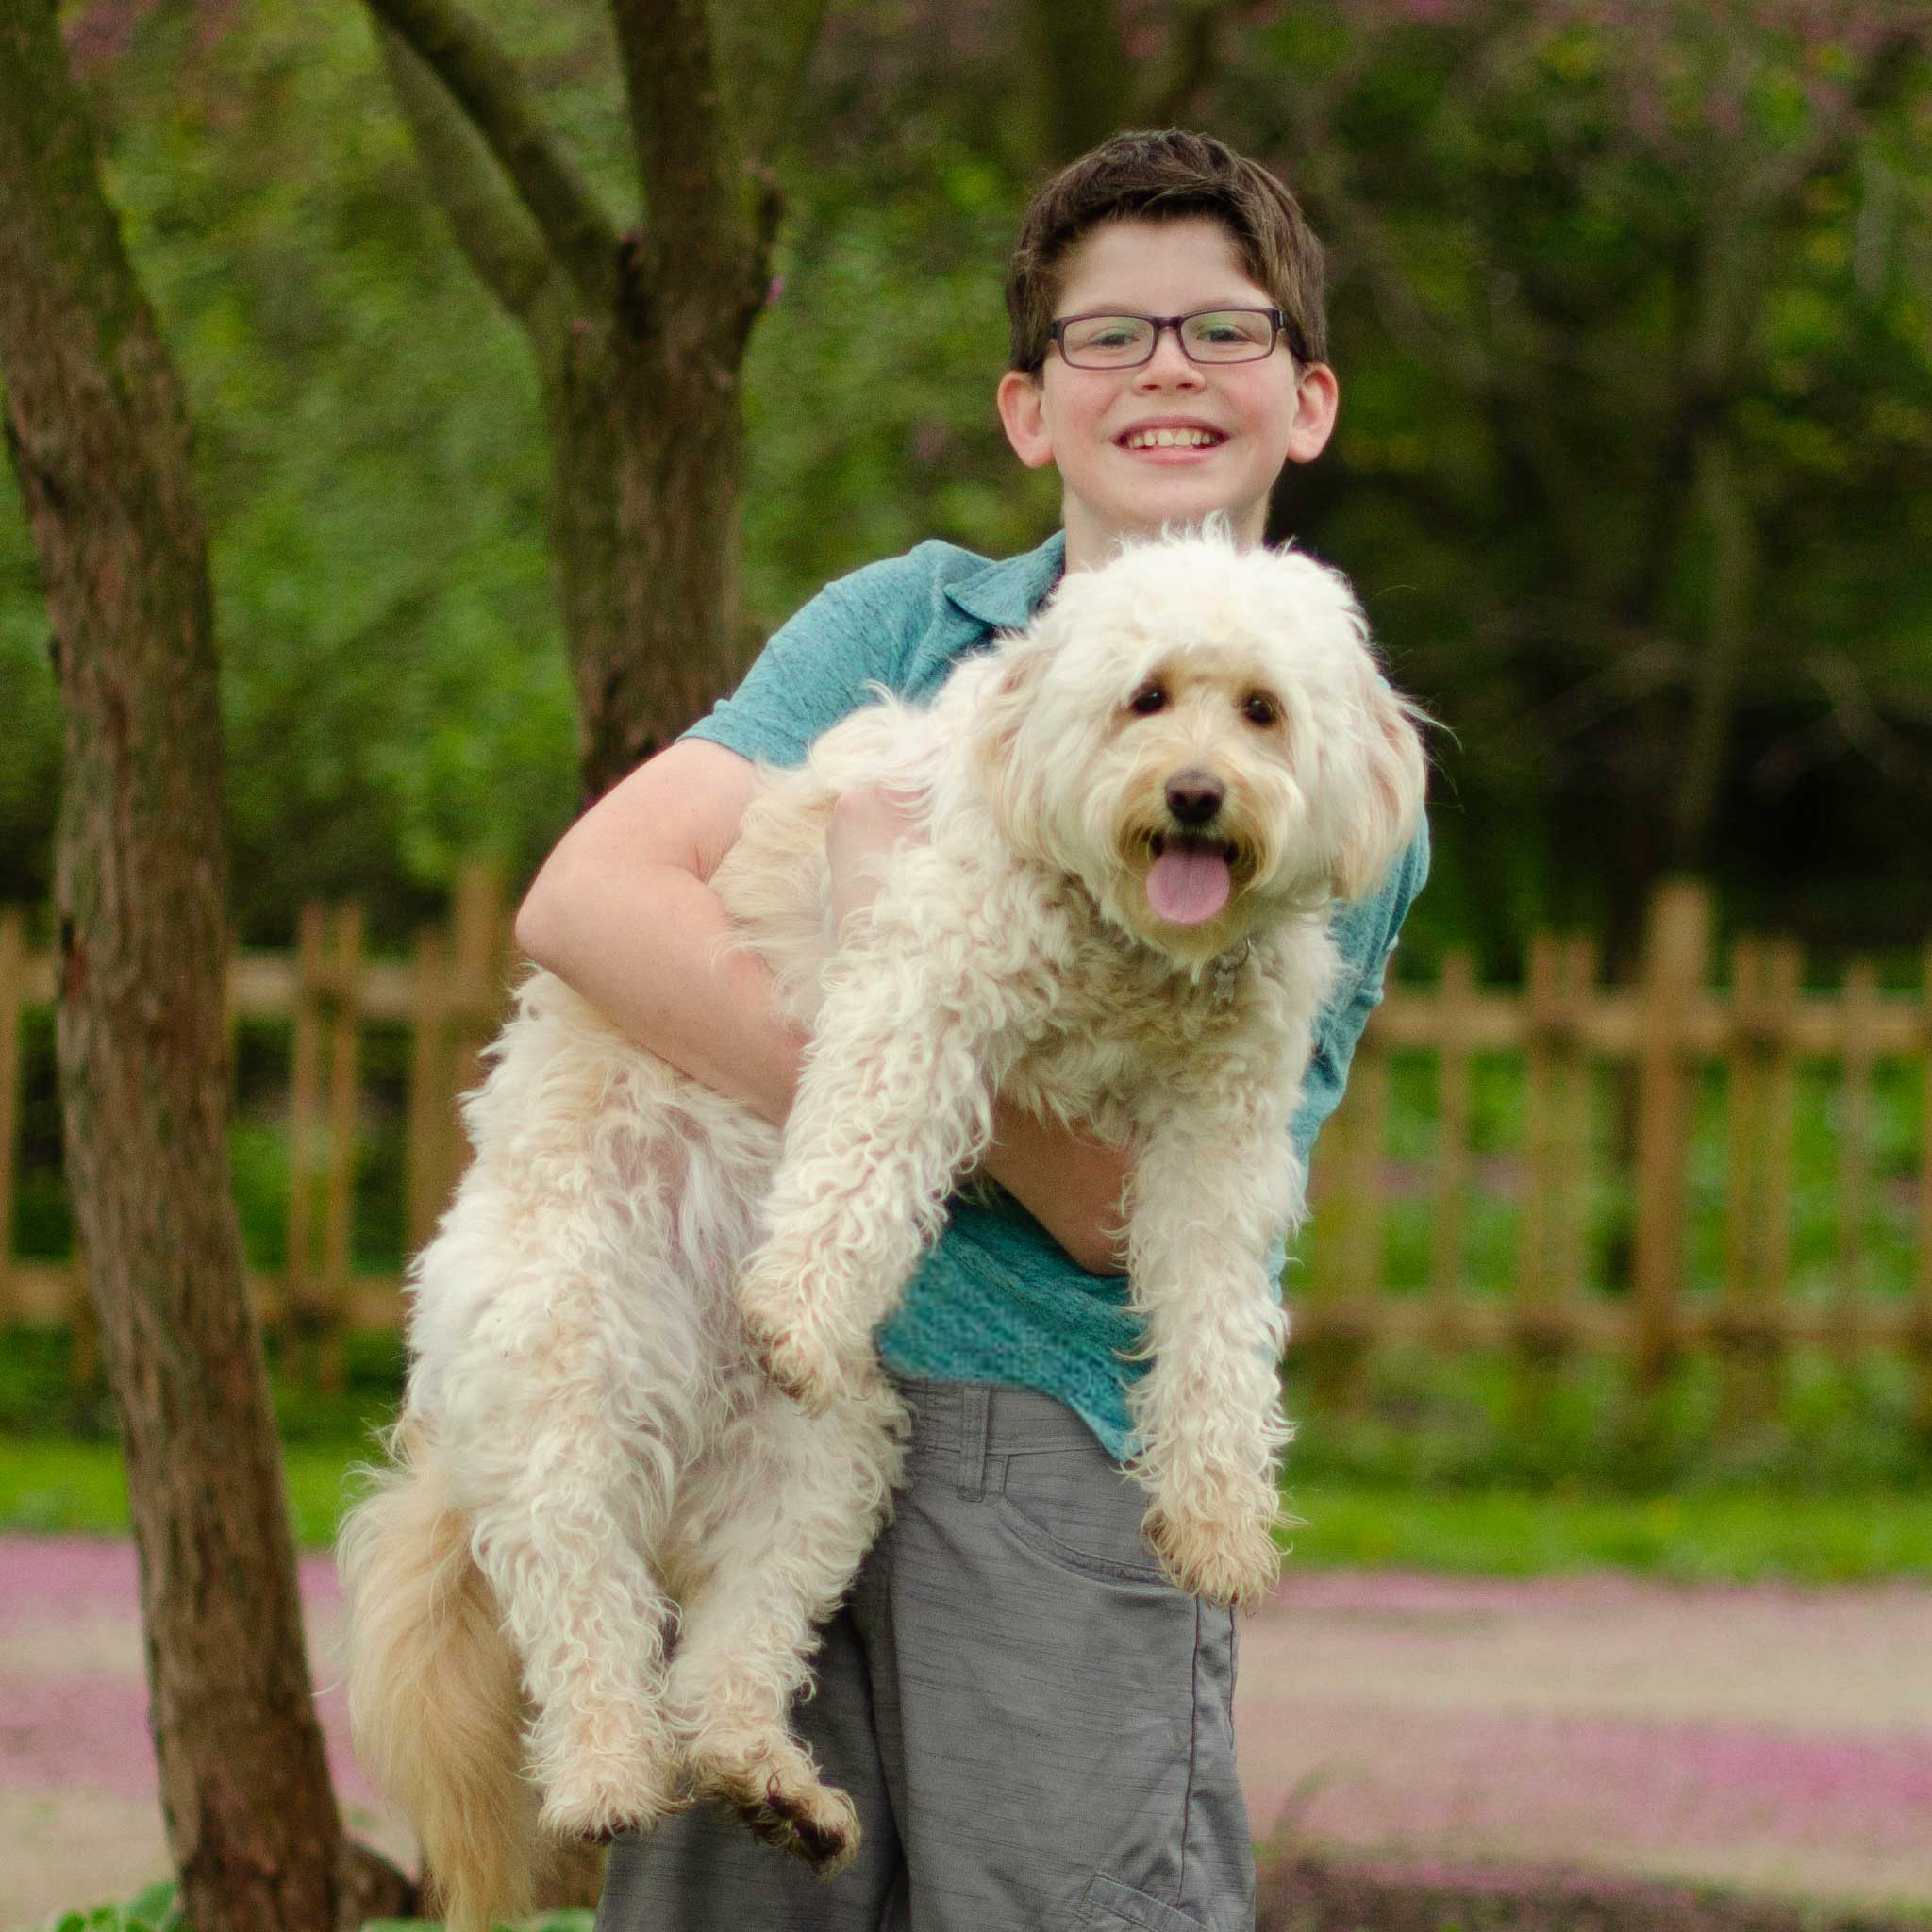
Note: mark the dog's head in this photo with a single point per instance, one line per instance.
(1202, 735)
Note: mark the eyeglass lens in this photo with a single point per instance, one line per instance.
(1118, 341)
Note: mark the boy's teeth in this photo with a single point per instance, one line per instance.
(1170, 438)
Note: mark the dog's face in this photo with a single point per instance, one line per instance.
(1202, 737)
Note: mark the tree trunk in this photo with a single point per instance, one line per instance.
(643, 537)
(638, 334)
(680, 457)
(98, 435)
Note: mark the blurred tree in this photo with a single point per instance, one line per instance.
(1643, 292)
(98, 438)
(639, 333)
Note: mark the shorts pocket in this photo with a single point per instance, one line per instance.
(1109, 1903)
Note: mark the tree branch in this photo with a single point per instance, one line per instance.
(483, 81)
(763, 53)
(495, 231)
(1191, 59)
(1080, 63)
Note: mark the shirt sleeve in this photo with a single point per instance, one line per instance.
(818, 667)
(1365, 934)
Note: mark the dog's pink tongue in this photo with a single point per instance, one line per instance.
(1188, 884)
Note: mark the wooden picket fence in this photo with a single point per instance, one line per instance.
(1568, 1034)
(1659, 1035)
(450, 996)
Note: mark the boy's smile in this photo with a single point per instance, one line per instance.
(1172, 440)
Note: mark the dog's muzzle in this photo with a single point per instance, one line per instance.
(1192, 873)
(1195, 797)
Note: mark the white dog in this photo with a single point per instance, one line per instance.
(598, 1564)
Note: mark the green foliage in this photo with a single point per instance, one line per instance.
(394, 686)
(1529, 212)
(155, 1909)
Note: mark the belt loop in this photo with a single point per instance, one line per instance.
(974, 1412)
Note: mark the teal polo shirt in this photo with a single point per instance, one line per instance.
(996, 1298)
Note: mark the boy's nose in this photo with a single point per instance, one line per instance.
(1168, 360)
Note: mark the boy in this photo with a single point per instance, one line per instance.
(1033, 1723)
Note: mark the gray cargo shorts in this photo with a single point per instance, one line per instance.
(1034, 1723)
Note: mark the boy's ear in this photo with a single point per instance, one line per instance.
(1020, 397)
(1317, 397)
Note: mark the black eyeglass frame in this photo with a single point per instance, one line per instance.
(1057, 332)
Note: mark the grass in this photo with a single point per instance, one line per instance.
(1699, 1538)
(1738, 1536)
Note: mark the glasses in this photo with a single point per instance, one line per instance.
(1208, 335)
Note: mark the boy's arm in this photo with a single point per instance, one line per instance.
(622, 912)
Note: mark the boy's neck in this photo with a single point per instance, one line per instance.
(1091, 541)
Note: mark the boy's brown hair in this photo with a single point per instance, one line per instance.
(1157, 176)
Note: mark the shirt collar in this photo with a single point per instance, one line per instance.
(1005, 596)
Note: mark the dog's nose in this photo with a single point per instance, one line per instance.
(1195, 797)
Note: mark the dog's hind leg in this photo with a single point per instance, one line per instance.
(790, 1507)
(589, 1621)
(568, 1497)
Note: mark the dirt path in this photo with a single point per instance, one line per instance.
(1778, 1740)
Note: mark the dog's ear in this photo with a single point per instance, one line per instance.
(1015, 785)
(1386, 812)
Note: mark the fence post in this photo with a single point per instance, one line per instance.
(12, 972)
(332, 1298)
(478, 995)
(1675, 949)
(427, 1157)
(1457, 997)
(304, 1125)
(1750, 1333)
(1860, 1009)
(1556, 1137)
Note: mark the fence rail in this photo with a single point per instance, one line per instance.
(1641, 1056)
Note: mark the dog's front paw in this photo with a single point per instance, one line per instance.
(815, 1377)
(774, 1786)
(1223, 1563)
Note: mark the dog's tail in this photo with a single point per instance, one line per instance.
(435, 1693)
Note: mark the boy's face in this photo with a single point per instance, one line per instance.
(1259, 414)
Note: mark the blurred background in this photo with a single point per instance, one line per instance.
(1631, 305)
(1630, 310)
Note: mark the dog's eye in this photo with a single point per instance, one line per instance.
(1258, 707)
(1147, 700)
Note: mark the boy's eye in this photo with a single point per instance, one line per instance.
(1258, 707)
(1147, 700)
